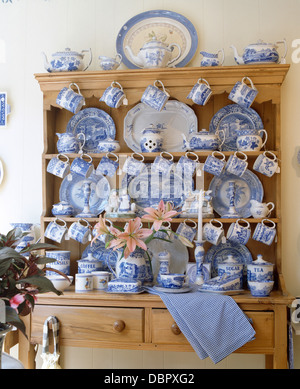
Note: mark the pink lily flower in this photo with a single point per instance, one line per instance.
(101, 228)
(16, 300)
(163, 213)
(131, 237)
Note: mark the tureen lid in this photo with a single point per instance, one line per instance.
(231, 259)
(68, 52)
(89, 258)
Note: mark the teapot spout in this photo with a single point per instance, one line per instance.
(46, 63)
(134, 58)
(238, 59)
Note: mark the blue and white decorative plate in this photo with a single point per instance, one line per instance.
(248, 187)
(174, 120)
(149, 187)
(218, 254)
(96, 124)
(231, 119)
(175, 27)
(71, 190)
(184, 289)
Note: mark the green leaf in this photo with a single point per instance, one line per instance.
(9, 252)
(13, 318)
(43, 284)
(38, 246)
(42, 260)
(4, 265)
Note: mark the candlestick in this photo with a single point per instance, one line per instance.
(199, 236)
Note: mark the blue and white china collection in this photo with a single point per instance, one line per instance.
(162, 126)
(66, 61)
(260, 52)
(212, 59)
(109, 63)
(70, 100)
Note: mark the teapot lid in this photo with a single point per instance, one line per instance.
(231, 259)
(261, 42)
(260, 261)
(67, 53)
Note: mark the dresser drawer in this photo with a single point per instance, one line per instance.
(91, 324)
(165, 330)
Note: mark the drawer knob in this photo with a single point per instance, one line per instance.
(119, 325)
(175, 329)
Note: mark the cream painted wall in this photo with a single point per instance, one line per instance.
(28, 27)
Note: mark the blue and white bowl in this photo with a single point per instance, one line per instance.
(172, 280)
(260, 289)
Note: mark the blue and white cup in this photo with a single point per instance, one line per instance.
(236, 165)
(187, 231)
(80, 231)
(62, 261)
(239, 233)
(187, 165)
(266, 163)
(213, 164)
(70, 100)
(163, 163)
(114, 95)
(155, 97)
(172, 280)
(81, 166)
(56, 231)
(200, 92)
(108, 165)
(212, 233)
(58, 166)
(243, 94)
(132, 165)
(83, 282)
(264, 233)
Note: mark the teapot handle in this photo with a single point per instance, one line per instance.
(282, 59)
(270, 209)
(83, 142)
(91, 57)
(223, 56)
(179, 53)
(118, 57)
(224, 138)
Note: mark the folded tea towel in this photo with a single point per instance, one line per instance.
(214, 324)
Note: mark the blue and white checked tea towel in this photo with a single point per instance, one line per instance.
(50, 361)
(214, 324)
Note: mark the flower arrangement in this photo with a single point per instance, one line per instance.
(21, 278)
(133, 234)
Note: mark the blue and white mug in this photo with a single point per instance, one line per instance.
(132, 165)
(213, 164)
(58, 166)
(80, 231)
(200, 92)
(242, 94)
(188, 232)
(154, 97)
(69, 99)
(236, 165)
(114, 95)
(82, 167)
(212, 233)
(56, 231)
(239, 233)
(264, 233)
(187, 165)
(266, 163)
(163, 163)
(83, 282)
(108, 166)
(62, 261)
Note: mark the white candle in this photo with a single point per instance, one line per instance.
(199, 238)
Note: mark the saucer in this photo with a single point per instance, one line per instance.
(184, 289)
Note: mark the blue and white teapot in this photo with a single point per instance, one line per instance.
(203, 140)
(66, 61)
(70, 143)
(260, 52)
